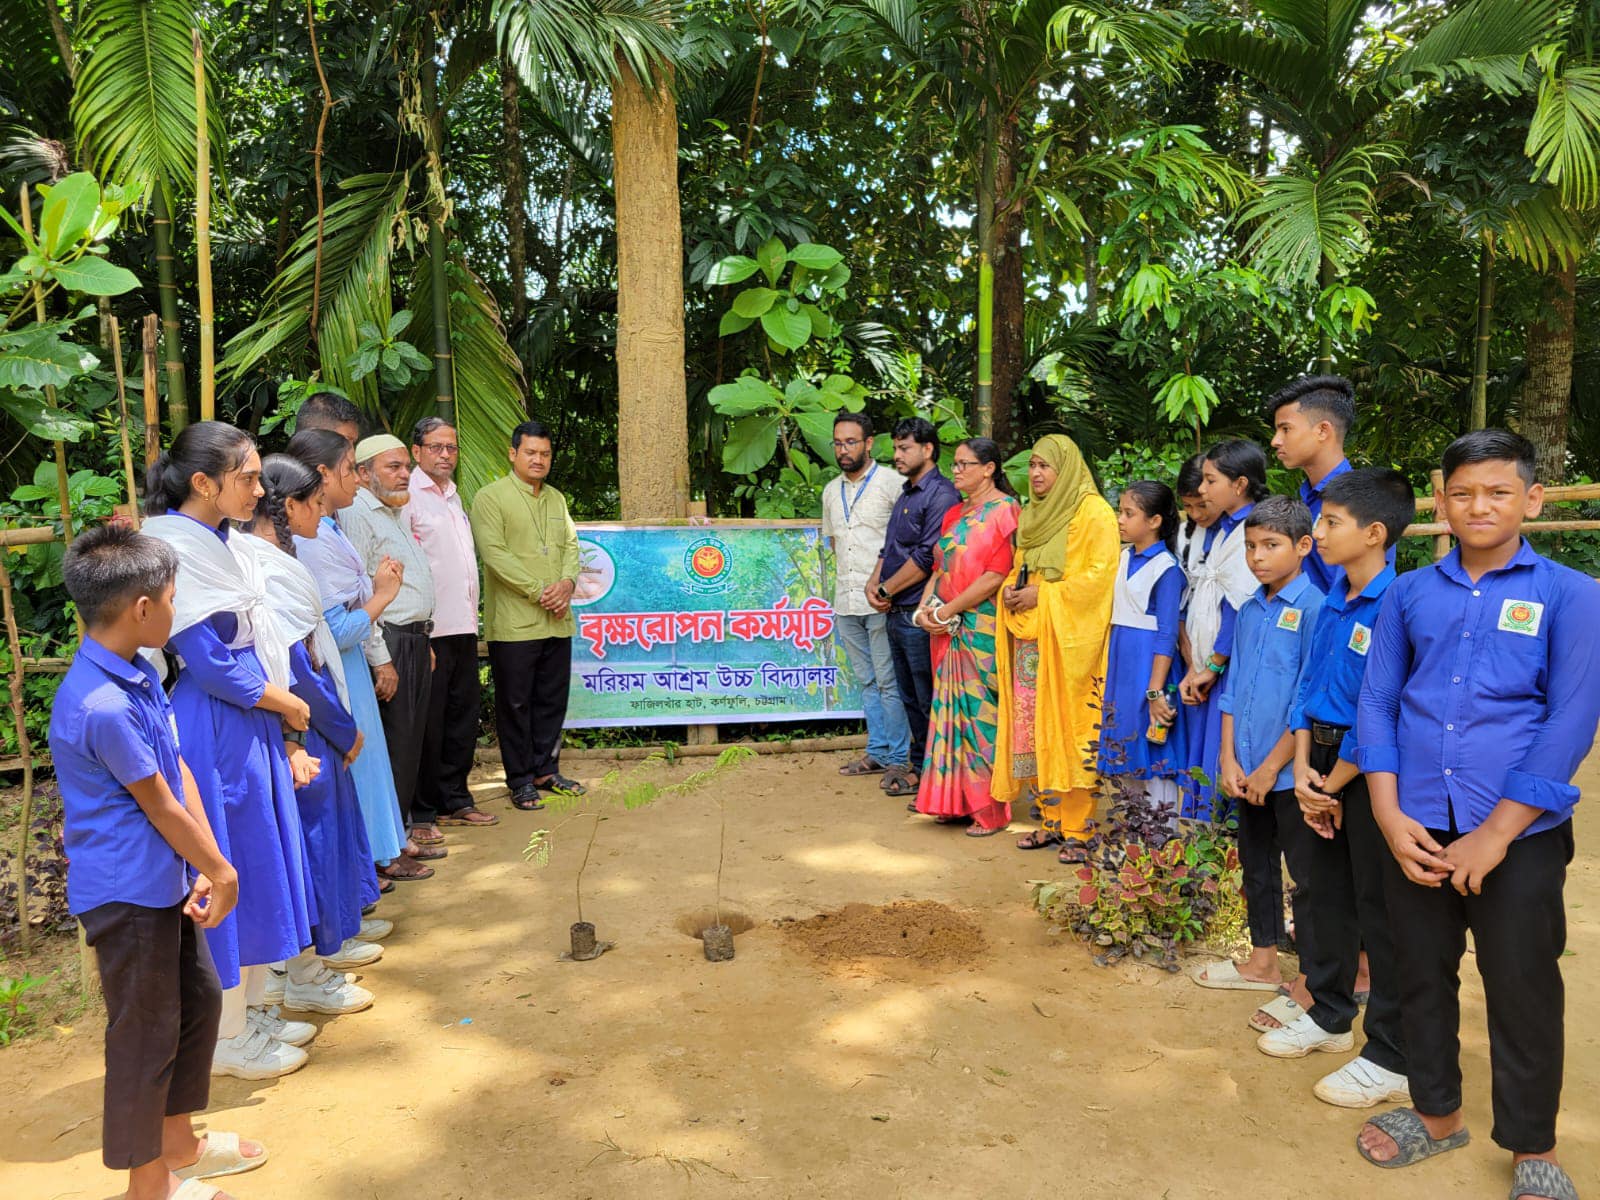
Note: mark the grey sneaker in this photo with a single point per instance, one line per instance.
(274, 1024)
(329, 993)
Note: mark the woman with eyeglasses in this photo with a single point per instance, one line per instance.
(1055, 628)
(970, 563)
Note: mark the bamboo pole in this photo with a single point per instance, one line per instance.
(25, 751)
(1441, 541)
(122, 408)
(152, 402)
(202, 238)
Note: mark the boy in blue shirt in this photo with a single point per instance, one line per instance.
(1271, 642)
(128, 832)
(1363, 514)
(1479, 704)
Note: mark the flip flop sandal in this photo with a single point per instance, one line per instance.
(1074, 853)
(1411, 1136)
(398, 872)
(427, 853)
(427, 839)
(386, 886)
(468, 816)
(977, 830)
(1224, 977)
(222, 1157)
(1282, 1009)
(1536, 1177)
(1039, 840)
(865, 765)
(560, 783)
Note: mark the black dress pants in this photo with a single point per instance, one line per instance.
(452, 729)
(1348, 914)
(1519, 931)
(531, 681)
(1260, 858)
(405, 714)
(913, 672)
(163, 1003)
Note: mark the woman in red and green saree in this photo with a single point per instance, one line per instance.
(970, 563)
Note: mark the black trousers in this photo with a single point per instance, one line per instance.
(1260, 857)
(1348, 913)
(405, 714)
(531, 680)
(1519, 931)
(163, 1003)
(452, 729)
(913, 672)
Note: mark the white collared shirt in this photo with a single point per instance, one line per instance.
(855, 518)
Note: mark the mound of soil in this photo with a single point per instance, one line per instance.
(918, 931)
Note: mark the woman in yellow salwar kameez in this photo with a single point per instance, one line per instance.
(1050, 652)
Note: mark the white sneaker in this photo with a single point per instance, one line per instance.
(255, 1054)
(277, 977)
(1300, 1037)
(375, 929)
(272, 1022)
(329, 993)
(1361, 1084)
(353, 954)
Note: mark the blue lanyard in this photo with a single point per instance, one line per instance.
(844, 491)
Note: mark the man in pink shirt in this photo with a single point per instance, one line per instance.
(440, 525)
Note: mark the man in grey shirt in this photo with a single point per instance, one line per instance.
(403, 662)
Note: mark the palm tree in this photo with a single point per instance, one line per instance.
(134, 112)
(1316, 72)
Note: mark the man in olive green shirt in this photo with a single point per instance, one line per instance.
(529, 549)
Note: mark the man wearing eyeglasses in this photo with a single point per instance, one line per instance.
(439, 524)
(856, 508)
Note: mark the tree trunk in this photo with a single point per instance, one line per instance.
(1547, 392)
(514, 190)
(444, 388)
(167, 290)
(652, 397)
(1479, 417)
(983, 391)
(1091, 277)
(1325, 341)
(1010, 333)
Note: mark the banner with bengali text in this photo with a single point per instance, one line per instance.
(700, 625)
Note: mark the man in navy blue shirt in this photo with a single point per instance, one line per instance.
(132, 820)
(1479, 703)
(895, 586)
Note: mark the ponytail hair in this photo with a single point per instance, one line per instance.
(1156, 500)
(209, 448)
(319, 448)
(284, 478)
(1239, 459)
(1190, 476)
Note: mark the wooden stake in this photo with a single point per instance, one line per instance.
(202, 238)
(122, 407)
(152, 402)
(25, 751)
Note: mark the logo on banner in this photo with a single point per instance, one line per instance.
(1521, 616)
(708, 563)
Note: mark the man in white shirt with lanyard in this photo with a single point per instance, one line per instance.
(856, 508)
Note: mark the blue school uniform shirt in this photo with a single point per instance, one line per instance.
(1330, 685)
(1326, 577)
(111, 726)
(1478, 692)
(1225, 525)
(1270, 648)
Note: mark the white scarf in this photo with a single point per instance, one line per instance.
(223, 576)
(298, 603)
(1131, 597)
(336, 566)
(1222, 574)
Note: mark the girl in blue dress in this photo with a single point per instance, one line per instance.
(233, 709)
(1141, 682)
(336, 838)
(1234, 477)
(352, 604)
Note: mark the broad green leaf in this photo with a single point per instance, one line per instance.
(743, 396)
(67, 215)
(821, 323)
(736, 268)
(38, 358)
(732, 323)
(771, 257)
(838, 383)
(412, 357)
(790, 330)
(752, 302)
(390, 358)
(800, 395)
(815, 256)
(836, 278)
(42, 421)
(368, 332)
(94, 276)
(750, 444)
(398, 323)
(364, 363)
(818, 430)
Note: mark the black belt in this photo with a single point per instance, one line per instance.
(1328, 735)
(421, 628)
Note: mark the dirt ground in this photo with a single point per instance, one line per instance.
(488, 1068)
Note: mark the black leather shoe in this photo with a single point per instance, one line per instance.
(527, 798)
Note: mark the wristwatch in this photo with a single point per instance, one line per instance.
(297, 736)
(1215, 666)
(1154, 694)
(882, 594)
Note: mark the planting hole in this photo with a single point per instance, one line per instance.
(691, 924)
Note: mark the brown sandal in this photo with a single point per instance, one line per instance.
(405, 872)
(901, 781)
(468, 816)
(865, 765)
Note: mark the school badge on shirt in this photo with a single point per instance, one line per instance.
(1521, 616)
(1289, 619)
(1360, 639)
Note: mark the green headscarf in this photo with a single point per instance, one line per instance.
(1042, 530)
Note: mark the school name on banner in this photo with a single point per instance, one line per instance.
(703, 625)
